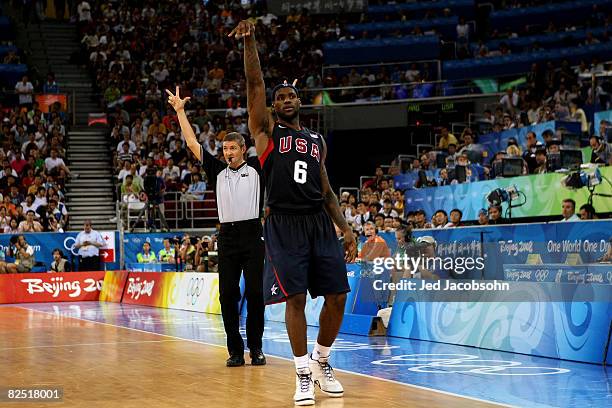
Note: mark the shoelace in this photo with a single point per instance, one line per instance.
(304, 382)
(327, 370)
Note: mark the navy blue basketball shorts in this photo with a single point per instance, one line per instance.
(302, 253)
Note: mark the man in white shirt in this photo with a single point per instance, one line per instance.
(55, 163)
(568, 210)
(89, 242)
(84, 11)
(24, 89)
(126, 140)
(510, 100)
(171, 171)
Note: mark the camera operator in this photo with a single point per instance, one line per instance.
(154, 188)
(23, 254)
(202, 257)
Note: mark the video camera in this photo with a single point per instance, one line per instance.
(150, 184)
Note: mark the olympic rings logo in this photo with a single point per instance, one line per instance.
(194, 290)
(466, 363)
(541, 275)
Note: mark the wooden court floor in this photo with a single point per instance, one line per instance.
(100, 365)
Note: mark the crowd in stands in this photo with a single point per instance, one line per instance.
(34, 173)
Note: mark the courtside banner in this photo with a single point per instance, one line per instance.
(114, 284)
(57, 287)
(198, 292)
(7, 289)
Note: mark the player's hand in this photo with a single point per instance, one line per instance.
(350, 246)
(244, 29)
(176, 101)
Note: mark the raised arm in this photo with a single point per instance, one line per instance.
(330, 202)
(179, 106)
(260, 120)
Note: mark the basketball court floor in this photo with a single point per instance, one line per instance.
(118, 355)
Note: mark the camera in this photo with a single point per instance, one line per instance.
(150, 184)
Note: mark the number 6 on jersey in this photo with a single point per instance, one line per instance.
(299, 171)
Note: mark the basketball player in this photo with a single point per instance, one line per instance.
(302, 251)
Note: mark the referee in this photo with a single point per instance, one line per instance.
(240, 243)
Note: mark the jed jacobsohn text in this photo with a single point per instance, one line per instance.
(445, 285)
(458, 265)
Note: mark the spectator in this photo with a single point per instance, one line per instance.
(446, 138)
(30, 224)
(88, 243)
(59, 263)
(388, 210)
(55, 164)
(510, 100)
(51, 87)
(440, 219)
(363, 215)
(23, 254)
(25, 90)
(171, 172)
(587, 212)
(541, 161)
(577, 114)
(601, 152)
(379, 221)
(455, 219)
(420, 220)
(495, 215)
(146, 256)
(196, 189)
(128, 187)
(568, 210)
(375, 246)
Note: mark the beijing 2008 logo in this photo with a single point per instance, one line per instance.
(194, 290)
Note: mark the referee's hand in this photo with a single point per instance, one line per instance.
(350, 246)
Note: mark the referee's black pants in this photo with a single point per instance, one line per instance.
(241, 249)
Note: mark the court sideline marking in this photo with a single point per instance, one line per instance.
(89, 344)
(277, 357)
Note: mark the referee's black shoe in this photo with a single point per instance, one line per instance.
(257, 357)
(235, 360)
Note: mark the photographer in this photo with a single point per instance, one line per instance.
(60, 263)
(154, 188)
(202, 258)
(23, 254)
(187, 252)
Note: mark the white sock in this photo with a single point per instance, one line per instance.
(320, 351)
(301, 362)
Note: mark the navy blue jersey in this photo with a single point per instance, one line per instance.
(292, 171)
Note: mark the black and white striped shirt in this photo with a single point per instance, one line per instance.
(239, 191)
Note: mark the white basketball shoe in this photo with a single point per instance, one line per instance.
(304, 388)
(323, 376)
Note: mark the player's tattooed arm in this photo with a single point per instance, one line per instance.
(330, 202)
(260, 121)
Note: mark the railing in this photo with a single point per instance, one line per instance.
(178, 212)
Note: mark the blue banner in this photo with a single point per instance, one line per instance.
(599, 116)
(133, 243)
(580, 242)
(45, 242)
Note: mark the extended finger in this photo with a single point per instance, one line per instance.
(232, 32)
(177, 92)
(169, 93)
